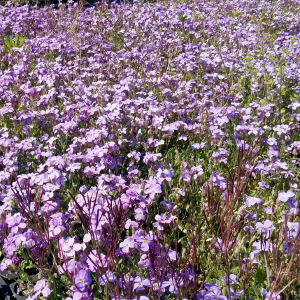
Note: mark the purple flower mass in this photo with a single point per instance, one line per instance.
(149, 149)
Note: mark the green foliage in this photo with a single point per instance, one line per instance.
(182, 18)
(9, 43)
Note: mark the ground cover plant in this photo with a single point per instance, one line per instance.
(150, 151)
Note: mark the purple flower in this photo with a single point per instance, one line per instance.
(84, 295)
(73, 167)
(263, 185)
(139, 284)
(250, 201)
(56, 226)
(144, 262)
(271, 141)
(129, 223)
(253, 259)
(144, 243)
(214, 293)
(218, 180)
(198, 146)
(41, 287)
(173, 286)
(186, 176)
(236, 295)
(189, 274)
(71, 266)
(260, 246)
(208, 285)
(281, 129)
(124, 280)
(164, 175)
(82, 279)
(201, 295)
(9, 245)
(168, 203)
(5, 264)
(153, 189)
(159, 222)
(109, 276)
(151, 157)
(221, 245)
(15, 223)
(135, 155)
(265, 227)
(232, 279)
(15, 260)
(220, 155)
(269, 210)
(285, 196)
(34, 297)
(172, 254)
(164, 219)
(269, 295)
(293, 205)
(182, 137)
(126, 245)
(139, 214)
(272, 296)
(180, 192)
(95, 261)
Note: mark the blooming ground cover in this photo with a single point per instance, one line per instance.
(150, 151)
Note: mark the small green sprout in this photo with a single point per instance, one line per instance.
(9, 43)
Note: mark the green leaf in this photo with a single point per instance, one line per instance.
(16, 39)
(282, 90)
(294, 96)
(11, 42)
(24, 275)
(259, 276)
(182, 18)
(181, 228)
(21, 42)
(180, 241)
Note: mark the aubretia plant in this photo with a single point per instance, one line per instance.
(151, 150)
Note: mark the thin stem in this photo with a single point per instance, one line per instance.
(286, 286)
(267, 269)
(254, 290)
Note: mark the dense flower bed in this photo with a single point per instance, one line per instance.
(149, 151)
